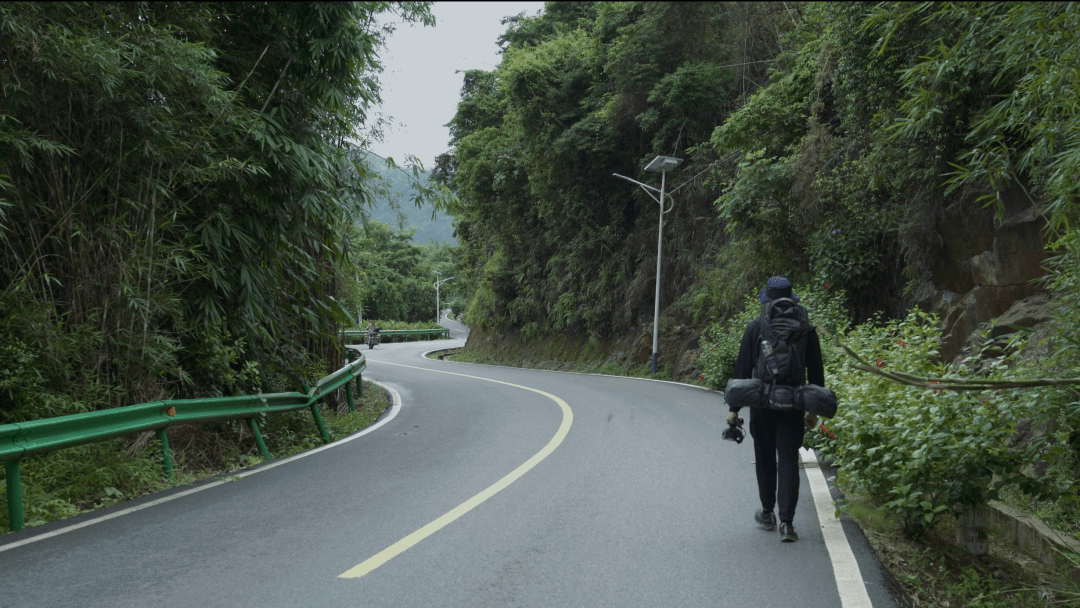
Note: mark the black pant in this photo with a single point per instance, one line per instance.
(778, 435)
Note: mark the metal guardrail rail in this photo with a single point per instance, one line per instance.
(406, 333)
(50, 434)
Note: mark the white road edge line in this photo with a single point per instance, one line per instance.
(849, 580)
(395, 408)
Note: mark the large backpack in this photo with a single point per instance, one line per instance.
(781, 351)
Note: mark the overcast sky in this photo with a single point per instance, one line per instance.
(420, 88)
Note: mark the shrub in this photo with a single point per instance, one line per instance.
(720, 345)
(918, 452)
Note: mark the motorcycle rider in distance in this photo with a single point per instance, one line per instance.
(372, 335)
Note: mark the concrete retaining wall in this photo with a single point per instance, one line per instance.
(1033, 537)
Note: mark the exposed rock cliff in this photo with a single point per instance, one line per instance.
(986, 266)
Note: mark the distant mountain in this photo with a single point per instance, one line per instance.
(441, 228)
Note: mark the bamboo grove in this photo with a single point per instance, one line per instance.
(175, 195)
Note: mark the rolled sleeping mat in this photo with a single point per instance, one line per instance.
(816, 400)
(745, 393)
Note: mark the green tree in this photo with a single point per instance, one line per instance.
(175, 181)
(551, 242)
(391, 278)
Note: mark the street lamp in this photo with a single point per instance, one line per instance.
(661, 165)
(438, 282)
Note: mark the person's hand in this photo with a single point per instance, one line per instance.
(810, 420)
(733, 418)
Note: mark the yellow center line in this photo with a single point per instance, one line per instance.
(399, 547)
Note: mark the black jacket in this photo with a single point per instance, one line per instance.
(744, 364)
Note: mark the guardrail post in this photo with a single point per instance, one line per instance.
(259, 439)
(319, 422)
(14, 495)
(348, 395)
(352, 355)
(166, 455)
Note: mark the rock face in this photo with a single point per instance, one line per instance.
(678, 344)
(1030, 313)
(987, 266)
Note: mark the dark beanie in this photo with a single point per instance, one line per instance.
(776, 288)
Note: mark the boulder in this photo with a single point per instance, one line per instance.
(1017, 255)
(1028, 313)
(1000, 277)
(966, 231)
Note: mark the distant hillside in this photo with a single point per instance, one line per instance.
(410, 216)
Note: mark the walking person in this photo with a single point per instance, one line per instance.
(778, 433)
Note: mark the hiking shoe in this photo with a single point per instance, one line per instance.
(787, 533)
(765, 519)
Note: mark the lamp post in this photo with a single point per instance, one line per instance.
(661, 165)
(438, 282)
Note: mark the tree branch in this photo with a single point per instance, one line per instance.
(954, 384)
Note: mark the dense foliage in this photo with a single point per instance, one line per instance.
(391, 278)
(832, 138)
(174, 187)
(179, 195)
(551, 241)
(878, 117)
(921, 453)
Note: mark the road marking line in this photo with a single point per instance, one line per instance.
(849, 580)
(402, 545)
(395, 408)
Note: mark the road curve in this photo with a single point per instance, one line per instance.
(638, 503)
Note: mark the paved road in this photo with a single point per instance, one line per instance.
(486, 486)
(457, 330)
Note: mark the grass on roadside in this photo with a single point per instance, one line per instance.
(1060, 515)
(340, 422)
(75, 480)
(935, 572)
(607, 366)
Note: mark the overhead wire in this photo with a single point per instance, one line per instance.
(720, 67)
(708, 168)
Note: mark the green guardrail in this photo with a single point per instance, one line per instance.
(50, 434)
(405, 333)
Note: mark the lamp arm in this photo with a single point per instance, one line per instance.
(637, 182)
(672, 205)
(646, 187)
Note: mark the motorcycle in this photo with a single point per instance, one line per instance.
(372, 338)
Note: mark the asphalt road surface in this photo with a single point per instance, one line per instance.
(484, 486)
